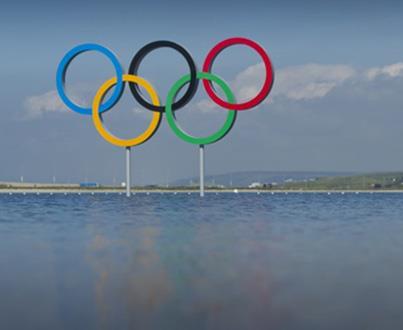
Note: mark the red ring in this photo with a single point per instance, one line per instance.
(268, 83)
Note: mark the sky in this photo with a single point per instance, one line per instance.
(336, 103)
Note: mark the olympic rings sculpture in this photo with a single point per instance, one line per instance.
(100, 106)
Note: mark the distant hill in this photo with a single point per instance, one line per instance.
(244, 179)
(386, 180)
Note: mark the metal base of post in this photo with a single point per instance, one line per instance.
(201, 170)
(128, 171)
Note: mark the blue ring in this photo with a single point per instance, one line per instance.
(61, 74)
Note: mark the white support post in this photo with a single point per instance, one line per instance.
(201, 170)
(128, 172)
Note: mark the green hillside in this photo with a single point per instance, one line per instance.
(390, 180)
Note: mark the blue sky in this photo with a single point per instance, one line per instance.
(336, 105)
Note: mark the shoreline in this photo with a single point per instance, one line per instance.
(36, 191)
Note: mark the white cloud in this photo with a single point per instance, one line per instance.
(249, 82)
(37, 105)
(49, 102)
(207, 106)
(141, 112)
(303, 82)
(391, 71)
(311, 81)
(298, 83)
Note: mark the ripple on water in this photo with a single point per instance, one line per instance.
(226, 261)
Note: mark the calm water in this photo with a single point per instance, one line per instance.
(229, 261)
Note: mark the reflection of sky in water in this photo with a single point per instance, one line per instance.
(177, 262)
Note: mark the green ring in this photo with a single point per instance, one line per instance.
(229, 122)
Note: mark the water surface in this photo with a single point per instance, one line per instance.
(228, 261)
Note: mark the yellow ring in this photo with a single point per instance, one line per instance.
(97, 117)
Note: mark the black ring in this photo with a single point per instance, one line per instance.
(134, 66)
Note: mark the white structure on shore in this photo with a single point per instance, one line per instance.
(255, 185)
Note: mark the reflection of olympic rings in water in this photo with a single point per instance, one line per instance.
(171, 104)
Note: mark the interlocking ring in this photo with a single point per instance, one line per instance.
(268, 83)
(229, 122)
(97, 117)
(61, 77)
(191, 79)
(134, 67)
